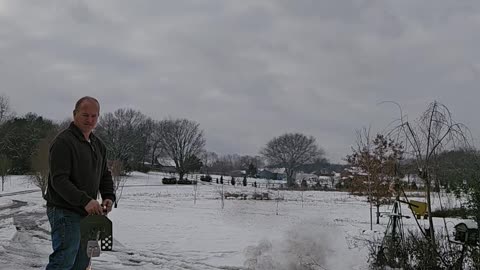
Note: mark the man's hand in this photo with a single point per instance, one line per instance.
(107, 205)
(93, 208)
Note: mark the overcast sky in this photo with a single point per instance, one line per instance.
(246, 70)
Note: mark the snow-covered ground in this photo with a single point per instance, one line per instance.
(164, 227)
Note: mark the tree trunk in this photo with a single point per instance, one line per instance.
(290, 181)
(378, 213)
(154, 154)
(430, 218)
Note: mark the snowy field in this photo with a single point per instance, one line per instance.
(163, 227)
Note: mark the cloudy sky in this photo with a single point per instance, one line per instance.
(246, 70)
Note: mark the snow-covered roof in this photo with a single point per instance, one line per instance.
(356, 170)
(471, 224)
(166, 162)
(274, 170)
(278, 170)
(306, 175)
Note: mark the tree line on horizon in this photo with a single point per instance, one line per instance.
(138, 142)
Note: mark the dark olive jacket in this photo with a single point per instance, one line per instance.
(78, 171)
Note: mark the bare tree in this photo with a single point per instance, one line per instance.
(39, 160)
(227, 163)
(5, 165)
(116, 168)
(155, 140)
(208, 159)
(434, 132)
(234, 160)
(290, 151)
(181, 139)
(250, 161)
(5, 110)
(223, 164)
(378, 159)
(146, 142)
(64, 123)
(126, 133)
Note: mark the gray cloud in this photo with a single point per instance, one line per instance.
(245, 70)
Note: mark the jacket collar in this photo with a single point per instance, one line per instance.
(78, 133)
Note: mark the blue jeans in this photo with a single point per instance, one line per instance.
(67, 254)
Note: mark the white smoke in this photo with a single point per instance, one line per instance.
(306, 247)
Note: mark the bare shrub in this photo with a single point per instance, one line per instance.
(39, 161)
(118, 173)
(417, 252)
(5, 165)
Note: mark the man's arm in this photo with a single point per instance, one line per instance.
(60, 161)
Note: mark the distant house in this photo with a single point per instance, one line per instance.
(272, 173)
(310, 178)
(324, 172)
(237, 173)
(280, 173)
(413, 180)
(324, 180)
(263, 173)
(329, 181)
(353, 172)
(353, 178)
(167, 166)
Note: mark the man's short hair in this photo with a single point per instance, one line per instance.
(85, 98)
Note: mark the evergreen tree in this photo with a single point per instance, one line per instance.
(19, 138)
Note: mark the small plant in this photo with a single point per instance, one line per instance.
(206, 178)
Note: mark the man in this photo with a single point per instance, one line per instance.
(78, 172)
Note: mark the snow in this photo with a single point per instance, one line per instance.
(163, 227)
(471, 224)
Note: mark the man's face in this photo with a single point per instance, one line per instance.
(85, 118)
